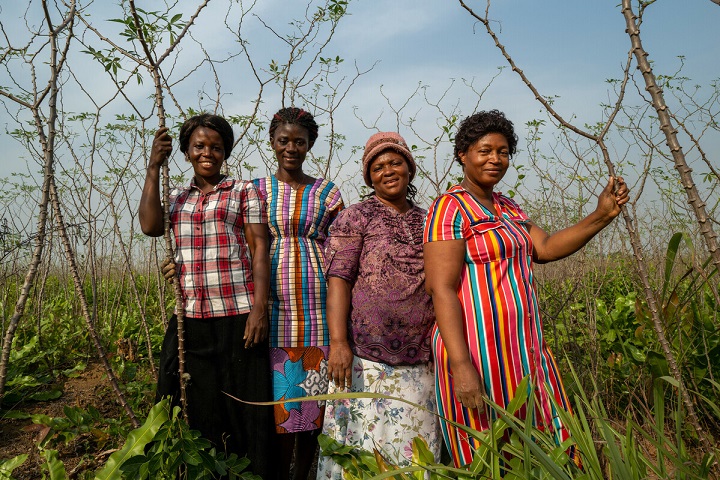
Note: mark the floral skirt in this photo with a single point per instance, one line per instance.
(386, 425)
(298, 372)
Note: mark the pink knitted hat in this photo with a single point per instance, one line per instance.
(380, 142)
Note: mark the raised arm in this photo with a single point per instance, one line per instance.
(338, 311)
(150, 211)
(444, 262)
(548, 248)
(256, 328)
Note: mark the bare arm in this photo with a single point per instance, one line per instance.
(444, 262)
(150, 211)
(548, 248)
(338, 311)
(256, 329)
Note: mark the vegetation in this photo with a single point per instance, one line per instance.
(633, 318)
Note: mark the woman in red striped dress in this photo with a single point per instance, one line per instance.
(479, 253)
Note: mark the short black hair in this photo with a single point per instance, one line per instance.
(207, 120)
(480, 124)
(297, 116)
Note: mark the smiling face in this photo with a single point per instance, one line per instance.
(206, 153)
(291, 142)
(390, 176)
(486, 161)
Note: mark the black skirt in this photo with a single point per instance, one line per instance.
(217, 361)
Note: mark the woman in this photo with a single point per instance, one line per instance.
(379, 314)
(300, 209)
(221, 252)
(479, 253)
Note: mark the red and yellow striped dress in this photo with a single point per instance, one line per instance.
(503, 330)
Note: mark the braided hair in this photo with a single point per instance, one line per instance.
(297, 116)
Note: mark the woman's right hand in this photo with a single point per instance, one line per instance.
(468, 386)
(161, 147)
(340, 364)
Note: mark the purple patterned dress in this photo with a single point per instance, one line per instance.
(379, 252)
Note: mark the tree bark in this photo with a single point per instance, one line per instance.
(48, 148)
(666, 125)
(685, 173)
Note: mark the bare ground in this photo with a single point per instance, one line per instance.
(22, 436)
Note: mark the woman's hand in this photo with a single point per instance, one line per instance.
(468, 386)
(340, 364)
(548, 248)
(150, 212)
(168, 270)
(256, 328)
(611, 199)
(161, 148)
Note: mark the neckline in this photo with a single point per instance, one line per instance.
(496, 204)
(392, 209)
(214, 188)
(299, 186)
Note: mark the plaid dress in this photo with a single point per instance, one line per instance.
(299, 339)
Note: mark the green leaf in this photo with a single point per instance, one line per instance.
(136, 441)
(421, 454)
(54, 466)
(658, 364)
(670, 256)
(7, 466)
(637, 355)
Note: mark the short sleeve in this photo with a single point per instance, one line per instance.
(344, 245)
(443, 221)
(335, 204)
(253, 205)
(260, 185)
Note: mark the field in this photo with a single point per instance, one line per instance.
(58, 397)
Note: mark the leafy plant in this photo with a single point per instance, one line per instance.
(7, 466)
(513, 449)
(164, 446)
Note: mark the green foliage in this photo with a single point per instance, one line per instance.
(76, 422)
(32, 370)
(153, 25)
(164, 446)
(7, 466)
(53, 466)
(513, 449)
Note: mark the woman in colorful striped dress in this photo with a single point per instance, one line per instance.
(300, 210)
(479, 253)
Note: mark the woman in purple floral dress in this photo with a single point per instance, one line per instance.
(379, 314)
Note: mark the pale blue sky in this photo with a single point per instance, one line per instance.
(567, 48)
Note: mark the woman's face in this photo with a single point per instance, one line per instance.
(291, 142)
(390, 176)
(206, 153)
(486, 160)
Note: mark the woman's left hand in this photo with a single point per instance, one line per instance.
(610, 199)
(256, 328)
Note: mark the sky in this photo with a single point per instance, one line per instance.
(567, 48)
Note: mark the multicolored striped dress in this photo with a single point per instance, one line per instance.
(299, 339)
(502, 325)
